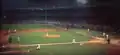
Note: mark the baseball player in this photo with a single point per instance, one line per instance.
(67, 27)
(38, 46)
(108, 40)
(14, 30)
(81, 43)
(73, 41)
(3, 46)
(28, 50)
(107, 37)
(18, 39)
(47, 34)
(88, 30)
(103, 34)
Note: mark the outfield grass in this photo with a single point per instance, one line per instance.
(25, 26)
(67, 36)
(38, 37)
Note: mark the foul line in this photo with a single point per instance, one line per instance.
(53, 43)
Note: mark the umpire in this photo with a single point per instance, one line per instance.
(108, 40)
(67, 27)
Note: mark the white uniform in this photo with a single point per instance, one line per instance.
(88, 30)
(46, 34)
(81, 43)
(15, 30)
(28, 50)
(38, 46)
(106, 36)
(103, 34)
(3, 46)
(73, 41)
(18, 38)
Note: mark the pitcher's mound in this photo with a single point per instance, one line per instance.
(52, 36)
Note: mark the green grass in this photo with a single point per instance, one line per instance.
(25, 26)
(38, 37)
(74, 49)
(67, 36)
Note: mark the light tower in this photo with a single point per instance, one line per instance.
(46, 19)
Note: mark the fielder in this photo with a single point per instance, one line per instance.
(18, 39)
(108, 41)
(3, 46)
(107, 37)
(73, 41)
(81, 43)
(88, 30)
(14, 30)
(10, 40)
(47, 34)
(104, 34)
(28, 50)
(38, 46)
(67, 27)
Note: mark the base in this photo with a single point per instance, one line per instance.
(81, 43)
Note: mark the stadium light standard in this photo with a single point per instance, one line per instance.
(46, 13)
(46, 17)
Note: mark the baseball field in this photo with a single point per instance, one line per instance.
(53, 40)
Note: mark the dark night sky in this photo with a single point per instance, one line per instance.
(109, 15)
(12, 4)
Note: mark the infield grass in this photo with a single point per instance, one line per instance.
(65, 36)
